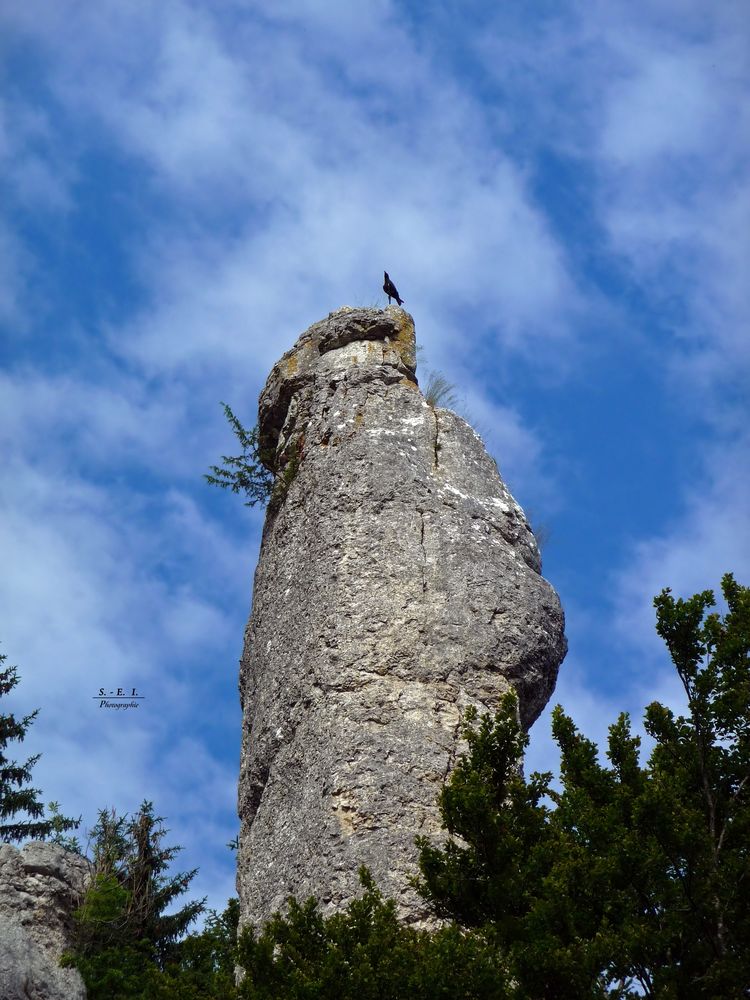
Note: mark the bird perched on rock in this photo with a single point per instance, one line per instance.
(390, 290)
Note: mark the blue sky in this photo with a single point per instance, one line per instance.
(562, 194)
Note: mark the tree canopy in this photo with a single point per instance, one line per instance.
(16, 794)
(365, 953)
(632, 879)
(125, 936)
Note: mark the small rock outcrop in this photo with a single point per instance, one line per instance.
(40, 886)
(398, 583)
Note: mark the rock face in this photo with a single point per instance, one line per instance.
(40, 886)
(398, 583)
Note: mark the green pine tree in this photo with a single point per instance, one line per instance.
(249, 473)
(124, 938)
(203, 965)
(365, 953)
(633, 879)
(15, 796)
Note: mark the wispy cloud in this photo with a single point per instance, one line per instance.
(551, 191)
(710, 536)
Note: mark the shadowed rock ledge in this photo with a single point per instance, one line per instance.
(398, 583)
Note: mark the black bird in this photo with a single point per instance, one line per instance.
(390, 290)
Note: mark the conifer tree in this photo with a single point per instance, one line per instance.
(250, 473)
(365, 953)
(204, 964)
(633, 879)
(124, 938)
(15, 794)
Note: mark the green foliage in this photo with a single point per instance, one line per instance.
(700, 808)
(250, 473)
(124, 938)
(636, 883)
(499, 818)
(199, 967)
(365, 953)
(58, 825)
(203, 965)
(14, 797)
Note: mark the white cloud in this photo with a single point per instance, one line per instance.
(324, 184)
(674, 154)
(708, 538)
(90, 600)
(108, 582)
(667, 106)
(650, 114)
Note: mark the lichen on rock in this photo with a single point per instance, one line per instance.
(398, 583)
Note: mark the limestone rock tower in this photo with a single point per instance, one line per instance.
(398, 583)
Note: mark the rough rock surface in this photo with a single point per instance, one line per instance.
(40, 886)
(398, 583)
